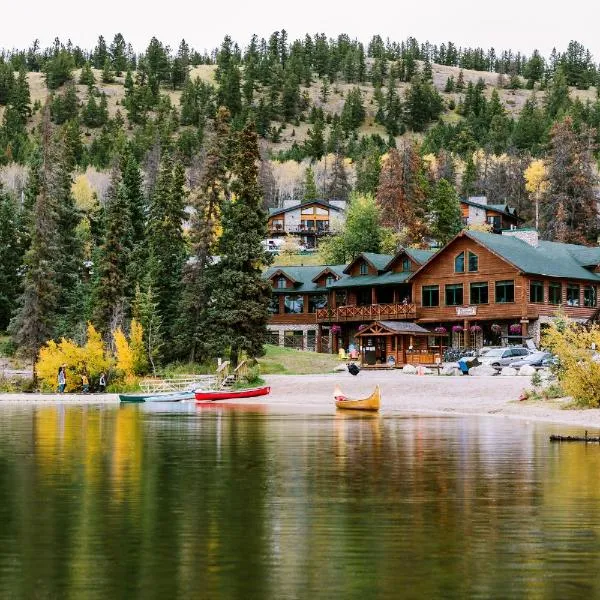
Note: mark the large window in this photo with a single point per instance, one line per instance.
(473, 262)
(505, 291)
(431, 295)
(454, 294)
(363, 269)
(572, 294)
(459, 263)
(479, 293)
(316, 301)
(555, 293)
(281, 283)
(293, 304)
(536, 291)
(406, 265)
(589, 295)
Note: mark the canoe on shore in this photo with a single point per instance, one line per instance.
(211, 395)
(158, 397)
(369, 403)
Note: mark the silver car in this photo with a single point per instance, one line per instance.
(502, 357)
(535, 359)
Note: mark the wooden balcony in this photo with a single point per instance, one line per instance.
(371, 312)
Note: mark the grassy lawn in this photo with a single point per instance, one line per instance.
(298, 260)
(287, 361)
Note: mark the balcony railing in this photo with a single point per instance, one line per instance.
(299, 229)
(373, 312)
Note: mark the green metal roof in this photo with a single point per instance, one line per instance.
(368, 280)
(419, 255)
(303, 275)
(550, 259)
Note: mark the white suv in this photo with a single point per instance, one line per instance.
(501, 357)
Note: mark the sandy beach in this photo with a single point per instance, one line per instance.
(478, 396)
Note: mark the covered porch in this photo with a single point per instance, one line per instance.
(396, 343)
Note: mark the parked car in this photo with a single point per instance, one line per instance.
(483, 351)
(535, 359)
(501, 357)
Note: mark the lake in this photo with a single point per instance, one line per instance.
(245, 501)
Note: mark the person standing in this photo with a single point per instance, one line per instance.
(62, 380)
(85, 383)
(102, 383)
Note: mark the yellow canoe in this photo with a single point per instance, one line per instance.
(369, 403)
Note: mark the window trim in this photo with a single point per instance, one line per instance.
(281, 279)
(460, 255)
(406, 264)
(454, 287)
(553, 285)
(594, 293)
(537, 282)
(363, 269)
(504, 281)
(476, 256)
(480, 284)
(430, 288)
(573, 286)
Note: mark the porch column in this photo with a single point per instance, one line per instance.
(373, 295)
(395, 299)
(305, 303)
(467, 333)
(524, 327)
(333, 299)
(318, 339)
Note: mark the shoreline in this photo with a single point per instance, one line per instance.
(495, 396)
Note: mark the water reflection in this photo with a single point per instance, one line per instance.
(157, 501)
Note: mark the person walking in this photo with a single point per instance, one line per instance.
(102, 383)
(62, 380)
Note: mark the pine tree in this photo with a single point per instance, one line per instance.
(115, 254)
(165, 239)
(12, 248)
(314, 145)
(87, 76)
(444, 209)
(118, 54)
(206, 199)
(568, 209)
(338, 187)
(107, 72)
(51, 260)
(310, 187)
(557, 100)
(240, 295)
(146, 312)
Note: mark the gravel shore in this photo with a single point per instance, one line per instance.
(431, 394)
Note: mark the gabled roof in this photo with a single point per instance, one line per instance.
(417, 254)
(377, 261)
(548, 259)
(279, 271)
(303, 277)
(502, 208)
(324, 203)
(326, 269)
(395, 327)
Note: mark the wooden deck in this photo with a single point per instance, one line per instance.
(371, 312)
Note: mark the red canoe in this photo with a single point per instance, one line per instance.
(208, 395)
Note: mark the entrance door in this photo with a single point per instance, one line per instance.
(370, 352)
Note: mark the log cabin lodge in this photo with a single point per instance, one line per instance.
(479, 289)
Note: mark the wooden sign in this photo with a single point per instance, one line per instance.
(466, 311)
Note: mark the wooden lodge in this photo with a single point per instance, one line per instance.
(479, 289)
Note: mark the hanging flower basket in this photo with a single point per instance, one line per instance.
(475, 328)
(335, 329)
(440, 330)
(496, 328)
(457, 328)
(515, 329)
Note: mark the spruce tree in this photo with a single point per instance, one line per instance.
(165, 239)
(338, 187)
(115, 253)
(107, 72)
(12, 246)
(206, 200)
(87, 76)
(240, 296)
(310, 187)
(444, 210)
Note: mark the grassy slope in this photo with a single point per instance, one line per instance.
(294, 362)
(513, 99)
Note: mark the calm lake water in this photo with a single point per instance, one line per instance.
(172, 501)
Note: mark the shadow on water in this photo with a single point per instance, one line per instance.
(234, 501)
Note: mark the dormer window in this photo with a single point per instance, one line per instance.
(459, 263)
(406, 265)
(473, 262)
(364, 269)
(281, 283)
(330, 280)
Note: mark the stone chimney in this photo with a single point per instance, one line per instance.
(529, 236)
(478, 199)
